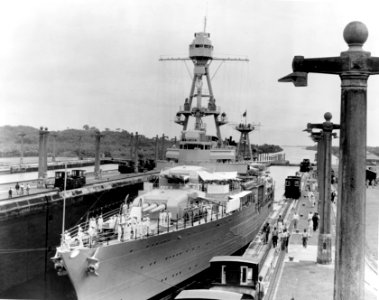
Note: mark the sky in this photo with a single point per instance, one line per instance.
(64, 64)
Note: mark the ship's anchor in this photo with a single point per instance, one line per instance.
(59, 264)
(93, 264)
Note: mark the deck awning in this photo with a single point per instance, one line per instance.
(241, 194)
(179, 178)
(235, 259)
(209, 294)
(206, 176)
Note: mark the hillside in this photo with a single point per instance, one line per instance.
(81, 143)
(71, 142)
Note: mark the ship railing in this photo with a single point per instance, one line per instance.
(206, 109)
(109, 236)
(73, 237)
(110, 233)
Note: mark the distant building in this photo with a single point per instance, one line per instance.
(372, 159)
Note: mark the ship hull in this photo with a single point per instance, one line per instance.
(34, 232)
(143, 268)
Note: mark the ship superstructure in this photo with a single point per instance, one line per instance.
(206, 204)
(210, 148)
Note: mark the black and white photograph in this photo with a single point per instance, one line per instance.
(203, 149)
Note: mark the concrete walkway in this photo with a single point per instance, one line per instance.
(301, 277)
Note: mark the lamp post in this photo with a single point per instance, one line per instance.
(98, 137)
(42, 159)
(317, 138)
(22, 135)
(354, 66)
(136, 145)
(54, 135)
(324, 250)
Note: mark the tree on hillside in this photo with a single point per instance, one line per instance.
(86, 127)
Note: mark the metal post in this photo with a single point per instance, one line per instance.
(136, 153)
(22, 149)
(46, 244)
(162, 156)
(354, 66)
(351, 204)
(40, 158)
(97, 154)
(156, 149)
(131, 143)
(168, 222)
(54, 147)
(45, 135)
(64, 201)
(318, 138)
(158, 226)
(324, 163)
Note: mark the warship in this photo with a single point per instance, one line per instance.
(206, 203)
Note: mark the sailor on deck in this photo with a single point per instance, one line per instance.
(127, 230)
(100, 222)
(119, 232)
(92, 224)
(144, 227)
(134, 227)
(67, 239)
(148, 224)
(92, 230)
(124, 209)
(80, 236)
(120, 226)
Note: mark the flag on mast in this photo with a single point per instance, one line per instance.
(244, 114)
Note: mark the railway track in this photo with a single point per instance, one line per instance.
(116, 178)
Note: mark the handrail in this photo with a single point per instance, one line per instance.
(111, 235)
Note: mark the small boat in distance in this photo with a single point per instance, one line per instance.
(207, 203)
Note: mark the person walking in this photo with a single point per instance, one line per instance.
(295, 220)
(312, 198)
(274, 237)
(305, 238)
(260, 288)
(22, 189)
(267, 232)
(310, 227)
(27, 189)
(315, 218)
(286, 239)
(283, 238)
(10, 192)
(280, 223)
(310, 216)
(17, 187)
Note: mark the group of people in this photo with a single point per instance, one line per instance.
(131, 227)
(20, 190)
(279, 233)
(313, 221)
(124, 226)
